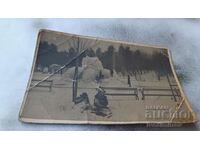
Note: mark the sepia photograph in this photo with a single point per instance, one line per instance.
(88, 80)
(117, 75)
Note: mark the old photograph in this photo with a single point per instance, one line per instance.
(89, 80)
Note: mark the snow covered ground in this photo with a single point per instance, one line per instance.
(17, 45)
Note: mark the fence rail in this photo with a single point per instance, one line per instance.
(45, 84)
(143, 92)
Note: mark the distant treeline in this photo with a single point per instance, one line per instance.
(48, 54)
(123, 60)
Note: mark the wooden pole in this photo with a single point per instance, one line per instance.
(75, 79)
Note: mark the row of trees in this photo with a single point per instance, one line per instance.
(48, 54)
(126, 61)
(123, 60)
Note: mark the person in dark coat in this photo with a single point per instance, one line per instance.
(100, 99)
(84, 99)
(101, 104)
(129, 81)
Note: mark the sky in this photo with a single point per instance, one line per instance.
(17, 46)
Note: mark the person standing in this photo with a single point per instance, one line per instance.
(129, 80)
